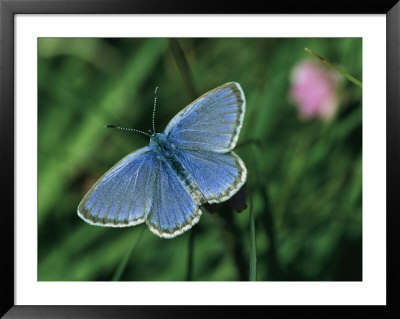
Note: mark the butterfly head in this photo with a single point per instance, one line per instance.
(159, 143)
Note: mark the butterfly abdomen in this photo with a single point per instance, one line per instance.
(187, 180)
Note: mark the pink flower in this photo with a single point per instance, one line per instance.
(313, 90)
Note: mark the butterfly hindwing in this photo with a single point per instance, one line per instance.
(173, 209)
(218, 176)
(212, 122)
(122, 197)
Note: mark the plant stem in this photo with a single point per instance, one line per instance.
(234, 243)
(253, 248)
(186, 74)
(183, 66)
(345, 74)
(189, 273)
(122, 265)
(275, 271)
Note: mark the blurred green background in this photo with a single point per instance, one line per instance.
(304, 177)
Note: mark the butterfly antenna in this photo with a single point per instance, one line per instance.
(127, 129)
(154, 108)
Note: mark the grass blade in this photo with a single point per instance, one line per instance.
(122, 265)
(345, 74)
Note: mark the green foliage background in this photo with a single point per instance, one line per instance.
(304, 182)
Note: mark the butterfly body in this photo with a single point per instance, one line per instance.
(189, 164)
(160, 145)
(167, 155)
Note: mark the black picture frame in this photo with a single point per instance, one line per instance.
(8, 10)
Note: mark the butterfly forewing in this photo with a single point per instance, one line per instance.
(212, 122)
(122, 197)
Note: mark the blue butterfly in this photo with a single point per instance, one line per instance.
(191, 163)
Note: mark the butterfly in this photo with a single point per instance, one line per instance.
(165, 183)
